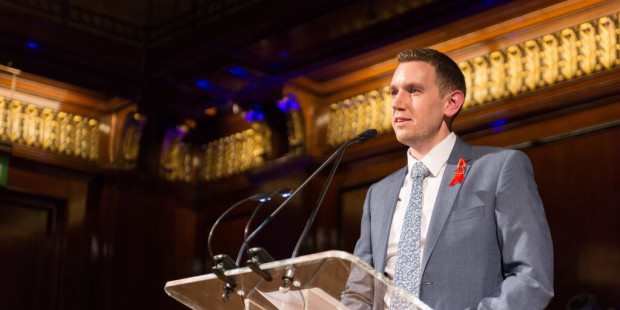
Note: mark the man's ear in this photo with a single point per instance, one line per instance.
(454, 102)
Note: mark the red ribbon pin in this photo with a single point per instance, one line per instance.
(459, 174)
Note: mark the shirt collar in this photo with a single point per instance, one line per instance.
(437, 157)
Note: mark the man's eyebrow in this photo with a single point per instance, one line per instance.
(408, 85)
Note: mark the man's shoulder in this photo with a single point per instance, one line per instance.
(395, 176)
(499, 158)
(492, 152)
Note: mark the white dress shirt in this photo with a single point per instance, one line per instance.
(435, 161)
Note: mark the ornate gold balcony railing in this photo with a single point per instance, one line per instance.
(354, 115)
(54, 131)
(544, 61)
(218, 159)
(553, 58)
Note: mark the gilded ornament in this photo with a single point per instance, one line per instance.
(32, 126)
(93, 147)
(480, 90)
(608, 42)
(3, 120)
(568, 54)
(549, 59)
(532, 64)
(497, 75)
(50, 130)
(467, 74)
(587, 49)
(230, 155)
(15, 121)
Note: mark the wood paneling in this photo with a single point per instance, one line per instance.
(31, 231)
(146, 235)
(577, 181)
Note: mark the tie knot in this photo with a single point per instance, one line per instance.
(419, 171)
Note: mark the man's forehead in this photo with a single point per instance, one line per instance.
(413, 72)
(416, 65)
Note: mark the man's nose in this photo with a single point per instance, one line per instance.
(398, 101)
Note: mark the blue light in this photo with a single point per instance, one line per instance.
(499, 122)
(288, 103)
(286, 195)
(254, 116)
(238, 72)
(32, 45)
(204, 84)
(264, 199)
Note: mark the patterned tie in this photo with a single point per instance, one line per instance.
(407, 270)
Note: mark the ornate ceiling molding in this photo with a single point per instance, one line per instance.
(536, 63)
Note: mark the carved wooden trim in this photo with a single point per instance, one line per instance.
(536, 63)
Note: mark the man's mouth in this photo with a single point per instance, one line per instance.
(401, 120)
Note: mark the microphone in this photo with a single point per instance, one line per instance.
(262, 198)
(290, 270)
(366, 135)
(283, 192)
(258, 255)
(259, 252)
(223, 262)
(362, 137)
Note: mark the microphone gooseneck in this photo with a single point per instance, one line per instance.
(288, 277)
(283, 192)
(262, 197)
(257, 256)
(362, 137)
(223, 262)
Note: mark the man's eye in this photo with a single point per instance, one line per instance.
(394, 92)
(414, 91)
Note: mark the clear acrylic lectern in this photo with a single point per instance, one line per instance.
(319, 282)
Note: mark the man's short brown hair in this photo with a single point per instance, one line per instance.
(448, 74)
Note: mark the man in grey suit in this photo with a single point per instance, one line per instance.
(482, 239)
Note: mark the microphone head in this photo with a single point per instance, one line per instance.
(262, 197)
(284, 192)
(366, 135)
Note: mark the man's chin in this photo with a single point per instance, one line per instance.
(404, 138)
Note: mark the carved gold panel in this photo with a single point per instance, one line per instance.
(564, 55)
(217, 159)
(352, 116)
(54, 131)
(573, 52)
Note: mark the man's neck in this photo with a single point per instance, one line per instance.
(418, 151)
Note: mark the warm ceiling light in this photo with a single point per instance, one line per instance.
(189, 122)
(211, 111)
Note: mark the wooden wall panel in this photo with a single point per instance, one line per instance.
(146, 236)
(43, 214)
(578, 183)
(31, 238)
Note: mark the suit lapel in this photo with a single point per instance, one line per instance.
(445, 197)
(390, 197)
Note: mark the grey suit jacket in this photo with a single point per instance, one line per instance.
(488, 244)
